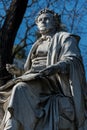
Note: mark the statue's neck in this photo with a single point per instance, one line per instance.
(48, 33)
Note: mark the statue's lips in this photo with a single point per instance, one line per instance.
(42, 26)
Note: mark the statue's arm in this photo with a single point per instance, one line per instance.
(70, 52)
(59, 67)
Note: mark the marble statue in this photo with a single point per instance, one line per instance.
(50, 93)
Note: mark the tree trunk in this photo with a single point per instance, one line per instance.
(7, 36)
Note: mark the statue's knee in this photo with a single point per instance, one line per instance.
(19, 86)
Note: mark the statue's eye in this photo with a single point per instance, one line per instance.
(40, 19)
(46, 19)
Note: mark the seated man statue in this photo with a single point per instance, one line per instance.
(51, 94)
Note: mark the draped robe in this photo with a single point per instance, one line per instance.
(40, 105)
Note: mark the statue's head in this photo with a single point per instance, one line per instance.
(47, 20)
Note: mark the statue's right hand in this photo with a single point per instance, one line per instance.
(12, 69)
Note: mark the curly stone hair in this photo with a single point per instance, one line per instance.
(57, 18)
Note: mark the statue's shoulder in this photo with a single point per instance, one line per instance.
(64, 35)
